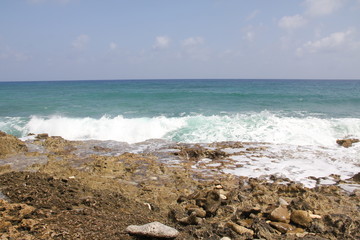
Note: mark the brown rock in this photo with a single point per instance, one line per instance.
(10, 144)
(280, 214)
(356, 177)
(301, 217)
(240, 229)
(282, 227)
(347, 142)
(213, 201)
(42, 136)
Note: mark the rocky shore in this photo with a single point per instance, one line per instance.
(50, 188)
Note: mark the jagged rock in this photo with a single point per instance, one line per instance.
(280, 214)
(301, 217)
(10, 144)
(198, 152)
(347, 142)
(154, 229)
(42, 136)
(356, 177)
(213, 201)
(282, 227)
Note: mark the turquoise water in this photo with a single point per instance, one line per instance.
(184, 110)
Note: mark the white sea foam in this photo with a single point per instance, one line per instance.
(255, 127)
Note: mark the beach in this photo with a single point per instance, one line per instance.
(52, 188)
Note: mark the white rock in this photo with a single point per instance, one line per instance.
(154, 229)
(225, 238)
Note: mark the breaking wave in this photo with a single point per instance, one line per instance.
(258, 127)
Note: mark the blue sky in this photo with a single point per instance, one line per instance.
(150, 39)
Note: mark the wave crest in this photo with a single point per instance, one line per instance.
(256, 127)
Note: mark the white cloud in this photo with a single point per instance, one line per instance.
(249, 36)
(192, 41)
(161, 42)
(292, 22)
(81, 42)
(8, 53)
(252, 15)
(322, 7)
(334, 42)
(113, 46)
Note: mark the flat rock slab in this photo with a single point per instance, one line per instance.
(154, 229)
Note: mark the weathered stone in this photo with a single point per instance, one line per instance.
(42, 136)
(10, 144)
(282, 227)
(280, 214)
(213, 202)
(154, 229)
(301, 217)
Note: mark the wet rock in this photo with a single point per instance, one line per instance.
(10, 144)
(282, 227)
(240, 229)
(356, 177)
(301, 218)
(42, 136)
(198, 152)
(280, 214)
(154, 229)
(347, 142)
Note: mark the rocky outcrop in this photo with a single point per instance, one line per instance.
(10, 145)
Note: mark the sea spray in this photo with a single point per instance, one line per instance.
(256, 127)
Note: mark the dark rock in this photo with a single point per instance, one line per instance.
(356, 177)
(213, 202)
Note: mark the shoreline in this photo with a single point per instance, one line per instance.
(71, 192)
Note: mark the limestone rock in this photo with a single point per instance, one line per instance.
(10, 144)
(154, 229)
(280, 214)
(301, 217)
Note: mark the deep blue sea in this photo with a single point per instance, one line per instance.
(299, 112)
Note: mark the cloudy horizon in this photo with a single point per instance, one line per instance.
(159, 39)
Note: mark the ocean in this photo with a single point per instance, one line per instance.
(304, 115)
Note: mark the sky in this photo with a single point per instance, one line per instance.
(179, 39)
